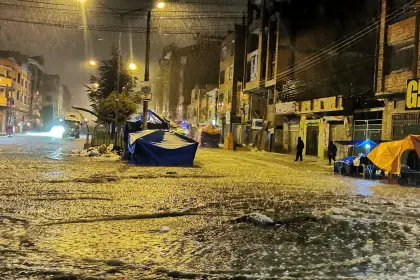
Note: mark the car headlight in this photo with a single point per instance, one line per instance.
(57, 131)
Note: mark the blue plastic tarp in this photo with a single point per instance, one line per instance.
(161, 148)
(359, 143)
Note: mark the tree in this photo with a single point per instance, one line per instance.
(106, 107)
(107, 80)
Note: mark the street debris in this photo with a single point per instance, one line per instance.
(164, 229)
(99, 151)
(256, 219)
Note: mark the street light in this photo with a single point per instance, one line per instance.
(92, 62)
(132, 66)
(160, 5)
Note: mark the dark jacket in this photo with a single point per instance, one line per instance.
(332, 149)
(300, 145)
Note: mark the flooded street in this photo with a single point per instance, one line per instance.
(235, 215)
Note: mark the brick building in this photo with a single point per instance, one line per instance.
(398, 61)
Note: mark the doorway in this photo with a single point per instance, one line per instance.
(312, 140)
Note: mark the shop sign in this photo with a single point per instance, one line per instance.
(254, 66)
(257, 124)
(287, 108)
(334, 118)
(412, 97)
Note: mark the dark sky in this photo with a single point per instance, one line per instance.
(53, 29)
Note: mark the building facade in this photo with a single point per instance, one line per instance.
(180, 70)
(231, 71)
(15, 83)
(52, 100)
(398, 63)
(299, 81)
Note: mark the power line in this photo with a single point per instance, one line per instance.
(93, 12)
(332, 48)
(217, 4)
(114, 29)
(316, 81)
(336, 47)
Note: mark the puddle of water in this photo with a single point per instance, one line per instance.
(57, 155)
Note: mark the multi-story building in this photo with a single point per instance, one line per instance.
(36, 69)
(398, 68)
(198, 111)
(52, 99)
(180, 70)
(230, 76)
(15, 83)
(299, 82)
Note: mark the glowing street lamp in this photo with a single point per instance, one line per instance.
(132, 66)
(161, 5)
(96, 85)
(92, 62)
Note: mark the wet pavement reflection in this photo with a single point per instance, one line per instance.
(233, 216)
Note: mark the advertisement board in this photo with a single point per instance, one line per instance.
(287, 108)
(412, 97)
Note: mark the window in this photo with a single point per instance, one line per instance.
(26, 83)
(222, 77)
(232, 48)
(231, 73)
(322, 105)
(270, 97)
(17, 95)
(399, 58)
(229, 97)
(18, 78)
(223, 53)
(312, 105)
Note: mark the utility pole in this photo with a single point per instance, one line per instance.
(160, 5)
(116, 122)
(146, 70)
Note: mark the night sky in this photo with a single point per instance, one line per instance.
(53, 29)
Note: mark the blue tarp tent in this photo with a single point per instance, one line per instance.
(360, 143)
(135, 124)
(161, 148)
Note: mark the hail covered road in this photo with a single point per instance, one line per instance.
(235, 215)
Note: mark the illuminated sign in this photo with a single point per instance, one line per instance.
(412, 96)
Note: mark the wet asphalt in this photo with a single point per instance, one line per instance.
(234, 215)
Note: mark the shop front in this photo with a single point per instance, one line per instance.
(286, 128)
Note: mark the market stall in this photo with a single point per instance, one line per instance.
(358, 161)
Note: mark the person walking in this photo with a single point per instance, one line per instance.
(332, 151)
(299, 149)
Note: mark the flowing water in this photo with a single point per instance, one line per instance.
(233, 216)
